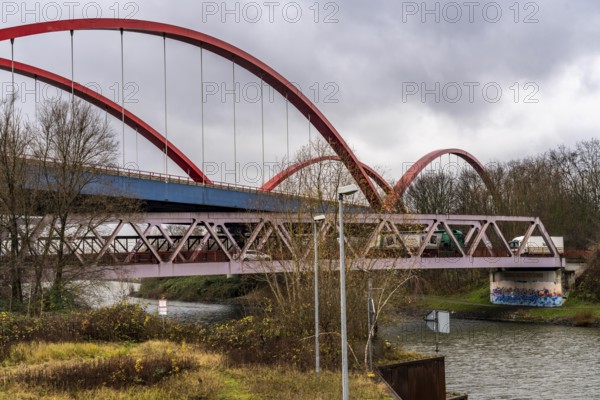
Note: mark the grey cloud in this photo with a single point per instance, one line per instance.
(369, 54)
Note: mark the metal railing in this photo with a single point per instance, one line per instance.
(113, 170)
(186, 180)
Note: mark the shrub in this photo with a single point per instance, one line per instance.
(50, 328)
(119, 322)
(116, 372)
(268, 340)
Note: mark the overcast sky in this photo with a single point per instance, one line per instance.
(502, 80)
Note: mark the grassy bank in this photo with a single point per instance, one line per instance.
(198, 288)
(476, 305)
(158, 370)
(122, 352)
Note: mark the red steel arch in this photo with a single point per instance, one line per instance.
(113, 109)
(292, 169)
(225, 50)
(420, 165)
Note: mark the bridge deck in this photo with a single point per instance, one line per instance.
(165, 269)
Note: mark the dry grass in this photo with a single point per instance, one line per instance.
(39, 352)
(284, 384)
(147, 366)
(210, 379)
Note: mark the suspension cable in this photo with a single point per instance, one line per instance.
(166, 108)
(35, 96)
(137, 161)
(287, 127)
(72, 69)
(123, 97)
(262, 125)
(234, 127)
(12, 69)
(309, 139)
(202, 103)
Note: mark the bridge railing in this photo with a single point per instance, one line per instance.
(185, 180)
(113, 170)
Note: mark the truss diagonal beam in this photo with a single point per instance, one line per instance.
(177, 250)
(204, 259)
(142, 236)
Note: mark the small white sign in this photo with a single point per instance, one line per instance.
(438, 321)
(162, 307)
(443, 320)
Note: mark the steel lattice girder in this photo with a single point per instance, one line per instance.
(150, 250)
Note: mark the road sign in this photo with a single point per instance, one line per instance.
(443, 321)
(162, 307)
(439, 322)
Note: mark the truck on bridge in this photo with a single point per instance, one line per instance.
(536, 245)
(440, 240)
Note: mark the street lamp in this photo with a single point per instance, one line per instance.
(344, 191)
(316, 220)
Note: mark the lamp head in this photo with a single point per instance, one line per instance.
(347, 190)
(319, 218)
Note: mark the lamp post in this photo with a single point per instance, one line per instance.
(316, 220)
(343, 191)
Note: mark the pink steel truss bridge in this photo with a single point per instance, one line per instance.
(181, 244)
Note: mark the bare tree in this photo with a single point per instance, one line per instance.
(577, 184)
(433, 193)
(72, 141)
(290, 246)
(15, 196)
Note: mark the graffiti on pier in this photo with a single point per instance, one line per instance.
(526, 297)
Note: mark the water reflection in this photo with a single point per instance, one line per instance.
(112, 292)
(491, 360)
(193, 312)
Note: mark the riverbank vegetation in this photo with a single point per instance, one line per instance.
(159, 370)
(476, 305)
(198, 288)
(122, 352)
(588, 284)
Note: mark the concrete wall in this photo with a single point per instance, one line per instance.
(527, 288)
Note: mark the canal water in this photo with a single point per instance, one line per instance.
(113, 292)
(498, 360)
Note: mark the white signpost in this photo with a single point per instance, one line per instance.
(439, 322)
(162, 307)
(162, 310)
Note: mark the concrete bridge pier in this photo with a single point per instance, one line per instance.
(533, 288)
